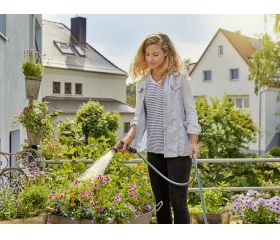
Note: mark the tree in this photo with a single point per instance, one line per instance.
(96, 122)
(131, 94)
(264, 67)
(225, 129)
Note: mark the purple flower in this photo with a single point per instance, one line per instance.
(40, 151)
(92, 204)
(52, 197)
(76, 181)
(276, 210)
(90, 194)
(118, 197)
(147, 207)
(100, 209)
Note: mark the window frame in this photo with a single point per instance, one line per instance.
(204, 75)
(220, 53)
(76, 88)
(70, 88)
(57, 44)
(59, 87)
(231, 73)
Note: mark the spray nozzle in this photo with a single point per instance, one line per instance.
(119, 146)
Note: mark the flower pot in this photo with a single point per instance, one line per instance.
(32, 87)
(147, 217)
(32, 137)
(42, 219)
(212, 218)
(55, 219)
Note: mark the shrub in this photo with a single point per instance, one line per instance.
(275, 151)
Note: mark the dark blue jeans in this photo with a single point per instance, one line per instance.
(177, 169)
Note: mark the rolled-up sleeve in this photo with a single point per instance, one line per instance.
(191, 124)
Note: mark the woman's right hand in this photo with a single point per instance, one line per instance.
(126, 142)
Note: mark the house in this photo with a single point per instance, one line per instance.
(18, 32)
(76, 72)
(223, 68)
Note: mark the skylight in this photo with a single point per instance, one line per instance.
(79, 50)
(64, 48)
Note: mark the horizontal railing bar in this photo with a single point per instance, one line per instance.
(221, 160)
(237, 189)
(67, 160)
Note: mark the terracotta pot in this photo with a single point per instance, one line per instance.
(43, 219)
(32, 138)
(212, 218)
(32, 87)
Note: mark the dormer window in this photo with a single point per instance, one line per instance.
(64, 48)
(220, 50)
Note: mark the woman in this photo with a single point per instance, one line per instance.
(166, 118)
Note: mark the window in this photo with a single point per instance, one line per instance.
(64, 48)
(78, 88)
(220, 50)
(67, 88)
(79, 50)
(56, 87)
(234, 74)
(240, 101)
(207, 76)
(38, 37)
(126, 127)
(3, 24)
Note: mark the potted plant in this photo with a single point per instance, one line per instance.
(122, 195)
(37, 121)
(29, 206)
(33, 70)
(215, 210)
(255, 208)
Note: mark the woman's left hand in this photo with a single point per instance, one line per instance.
(193, 150)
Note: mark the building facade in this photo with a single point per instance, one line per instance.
(223, 69)
(17, 34)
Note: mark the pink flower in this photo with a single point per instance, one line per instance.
(90, 194)
(83, 193)
(92, 204)
(99, 177)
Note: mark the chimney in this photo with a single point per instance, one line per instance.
(78, 29)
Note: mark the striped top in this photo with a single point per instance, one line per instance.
(154, 107)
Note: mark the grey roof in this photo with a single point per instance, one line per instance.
(93, 61)
(70, 105)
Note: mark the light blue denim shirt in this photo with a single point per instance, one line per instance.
(180, 117)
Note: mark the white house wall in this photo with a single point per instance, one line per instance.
(94, 85)
(220, 83)
(12, 83)
(271, 124)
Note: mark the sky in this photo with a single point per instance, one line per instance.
(118, 36)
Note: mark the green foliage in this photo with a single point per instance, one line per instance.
(264, 65)
(213, 201)
(131, 94)
(37, 119)
(95, 122)
(32, 65)
(31, 201)
(8, 204)
(123, 192)
(275, 151)
(225, 129)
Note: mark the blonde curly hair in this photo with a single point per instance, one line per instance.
(172, 61)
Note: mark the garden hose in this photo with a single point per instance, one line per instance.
(196, 175)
